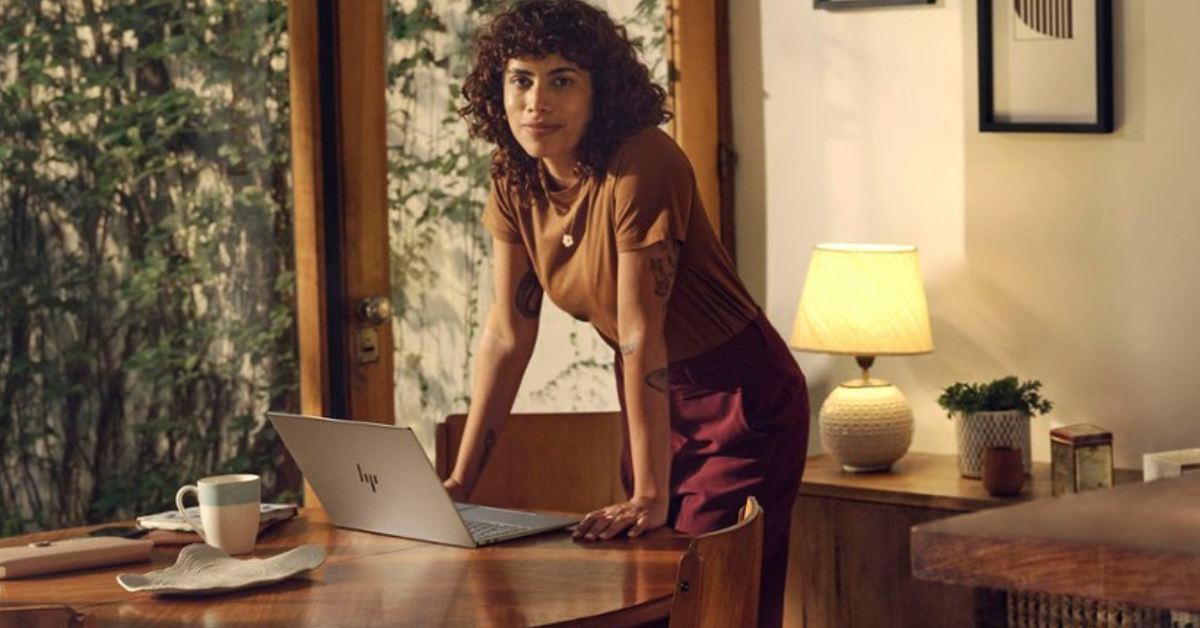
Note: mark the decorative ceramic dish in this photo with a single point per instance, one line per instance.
(204, 570)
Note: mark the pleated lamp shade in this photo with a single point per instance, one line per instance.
(863, 300)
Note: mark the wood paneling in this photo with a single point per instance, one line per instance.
(564, 462)
(848, 568)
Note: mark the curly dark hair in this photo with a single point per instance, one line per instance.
(624, 101)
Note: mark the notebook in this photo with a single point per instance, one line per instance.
(377, 478)
(173, 521)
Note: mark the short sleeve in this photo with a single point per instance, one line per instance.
(498, 216)
(653, 192)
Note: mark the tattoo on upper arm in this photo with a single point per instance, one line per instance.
(658, 380)
(489, 439)
(529, 295)
(663, 265)
(628, 348)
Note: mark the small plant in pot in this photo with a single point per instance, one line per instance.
(994, 414)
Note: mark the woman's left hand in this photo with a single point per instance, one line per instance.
(633, 517)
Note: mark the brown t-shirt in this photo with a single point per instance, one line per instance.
(648, 195)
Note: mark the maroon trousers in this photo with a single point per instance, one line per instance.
(739, 427)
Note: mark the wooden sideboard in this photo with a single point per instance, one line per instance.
(849, 563)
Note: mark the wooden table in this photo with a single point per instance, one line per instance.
(376, 580)
(1137, 543)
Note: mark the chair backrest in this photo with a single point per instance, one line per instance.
(568, 462)
(718, 582)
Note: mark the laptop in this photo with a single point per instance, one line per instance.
(377, 478)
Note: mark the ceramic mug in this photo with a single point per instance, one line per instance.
(229, 511)
(1003, 471)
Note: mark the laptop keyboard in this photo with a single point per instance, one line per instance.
(487, 530)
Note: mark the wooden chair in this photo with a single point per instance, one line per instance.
(567, 462)
(718, 580)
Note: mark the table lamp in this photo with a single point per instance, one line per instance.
(864, 300)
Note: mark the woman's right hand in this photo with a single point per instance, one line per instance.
(633, 517)
(457, 491)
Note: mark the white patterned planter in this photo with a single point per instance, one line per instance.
(976, 432)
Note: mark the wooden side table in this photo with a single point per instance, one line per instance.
(849, 563)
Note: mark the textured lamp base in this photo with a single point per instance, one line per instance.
(866, 426)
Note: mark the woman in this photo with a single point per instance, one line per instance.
(591, 203)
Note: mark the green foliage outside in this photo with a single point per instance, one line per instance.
(146, 316)
(437, 183)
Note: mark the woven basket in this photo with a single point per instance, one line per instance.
(980, 430)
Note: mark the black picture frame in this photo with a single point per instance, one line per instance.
(842, 5)
(1033, 120)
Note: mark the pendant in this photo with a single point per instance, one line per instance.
(568, 240)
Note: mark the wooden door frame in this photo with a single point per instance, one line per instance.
(339, 164)
(698, 75)
(308, 203)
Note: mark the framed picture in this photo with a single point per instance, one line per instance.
(837, 5)
(1045, 66)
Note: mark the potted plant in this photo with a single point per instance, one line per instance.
(995, 414)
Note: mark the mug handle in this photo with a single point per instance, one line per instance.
(190, 488)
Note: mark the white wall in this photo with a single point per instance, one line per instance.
(1064, 258)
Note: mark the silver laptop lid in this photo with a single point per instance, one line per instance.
(372, 477)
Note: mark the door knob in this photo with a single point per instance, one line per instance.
(374, 310)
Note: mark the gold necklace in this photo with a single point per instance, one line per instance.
(568, 240)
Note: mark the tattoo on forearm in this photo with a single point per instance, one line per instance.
(663, 267)
(662, 277)
(529, 295)
(489, 439)
(658, 380)
(628, 348)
